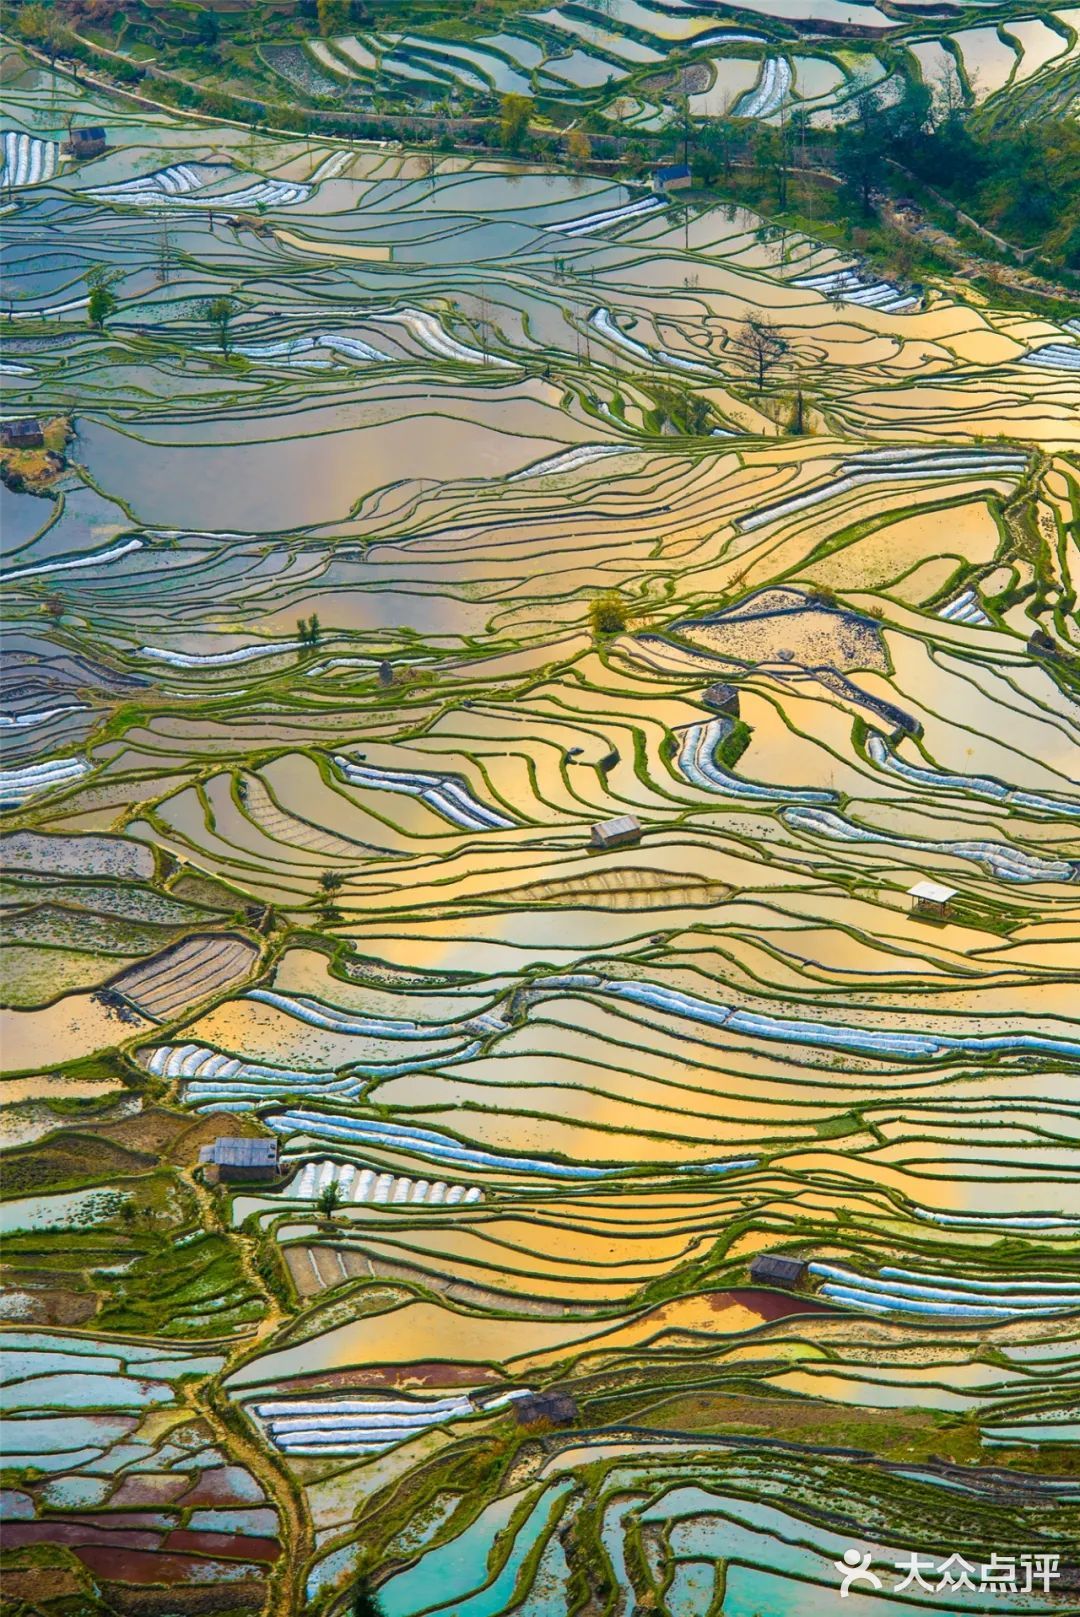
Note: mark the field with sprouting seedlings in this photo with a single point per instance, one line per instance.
(418, 518)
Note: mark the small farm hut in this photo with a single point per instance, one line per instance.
(87, 142)
(23, 432)
(621, 832)
(237, 1161)
(722, 699)
(672, 177)
(931, 899)
(551, 1408)
(773, 1269)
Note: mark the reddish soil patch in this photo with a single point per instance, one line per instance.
(229, 1546)
(149, 1519)
(433, 1373)
(225, 1485)
(185, 1147)
(194, 1600)
(78, 1535)
(151, 1488)
(778, 1304)
(150, 1130)
(35, 1583)
(136, 1566)
(52, 1305)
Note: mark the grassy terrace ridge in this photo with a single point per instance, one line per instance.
(435, 496)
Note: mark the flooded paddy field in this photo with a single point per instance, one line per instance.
(307, 725)
(631, 62)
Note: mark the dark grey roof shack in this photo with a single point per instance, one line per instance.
(722, 699)
(24, 432)
(772, 1269)
(554, 1408)
(234, 1160)
(87, 142)
(618, 833)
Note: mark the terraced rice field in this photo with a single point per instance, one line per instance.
(309, 731)
(633, 61)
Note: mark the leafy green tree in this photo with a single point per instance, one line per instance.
(45, 26)
(102, 300)
(219, 313)
(329, 1200)
(333, 17)
(862, 145)
(722, 139)
(771, 154)
(514, 114)
(578, 146)
(207, 29)
(686, 412)
(101, 304)
(365, 1602)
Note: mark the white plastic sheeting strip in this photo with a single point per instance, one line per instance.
(893, 466)
(978, 785)
(1055, 356)
(27, 721)
(97, 558)
(317, 1013)
(770, 94)
(430, 335)
(964, 609)
(569, 461)
(907, 1292)
(697, 762)
(216, 1082)
(28, 780)
(849, 286)
(883, 1042)
(422, 1142)
(590, 222)
(1001, 860)
(332, 166)
(366, 1185)
(356, 1425)
(444, 794)
(175, 181)
(27, 159)
(603, 321)
(218, 659)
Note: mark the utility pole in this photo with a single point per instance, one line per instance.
(164, 265)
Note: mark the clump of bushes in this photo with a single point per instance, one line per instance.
(607, 615)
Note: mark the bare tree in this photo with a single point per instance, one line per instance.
(759, 346)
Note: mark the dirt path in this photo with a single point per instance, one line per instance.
(209, 1399)
(285, 1587)
(910, 222)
